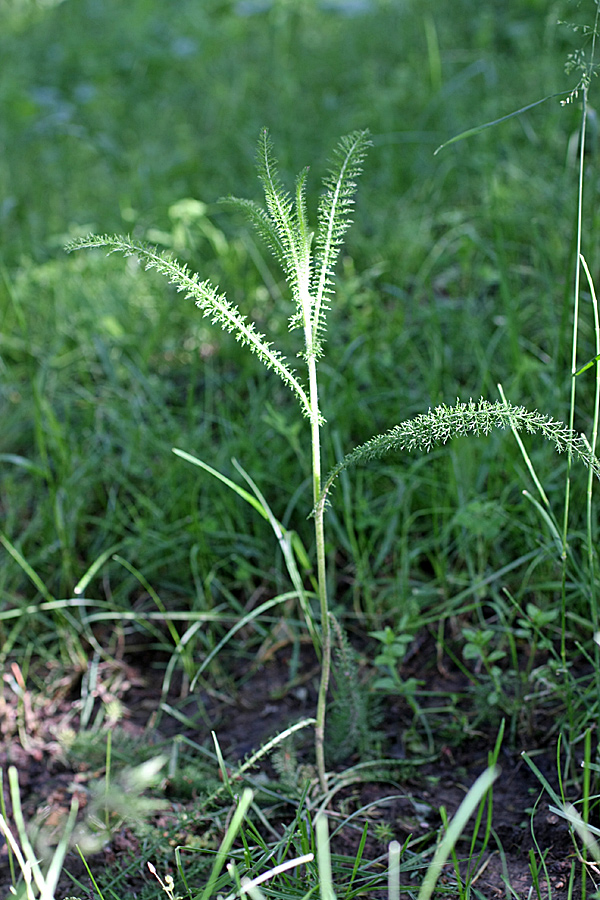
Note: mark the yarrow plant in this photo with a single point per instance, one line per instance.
(308, 259)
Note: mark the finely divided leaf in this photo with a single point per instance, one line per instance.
(443, 423)
(334, 217)
(285, 220)
(206, 296)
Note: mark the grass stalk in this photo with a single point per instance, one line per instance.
(585, 82)
(590, 529)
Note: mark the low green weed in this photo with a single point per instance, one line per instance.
(392, 650)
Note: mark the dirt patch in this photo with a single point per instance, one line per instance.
(39, 723)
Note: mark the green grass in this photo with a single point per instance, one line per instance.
(456, 275)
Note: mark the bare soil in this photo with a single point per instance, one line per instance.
(36, 723)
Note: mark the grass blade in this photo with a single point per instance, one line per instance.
(244, 494)
(22, 562)
(470, 132)
(455, 829)
(226, 844)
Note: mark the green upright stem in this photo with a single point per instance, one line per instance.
(326, 652)
(321, 575)
(576, 293)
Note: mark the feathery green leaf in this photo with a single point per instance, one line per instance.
(285, 220)
(206, 296)
(443, 423)
(334, 219)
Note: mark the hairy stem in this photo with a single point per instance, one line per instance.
(321, 576)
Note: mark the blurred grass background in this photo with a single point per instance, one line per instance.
(457, 274)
